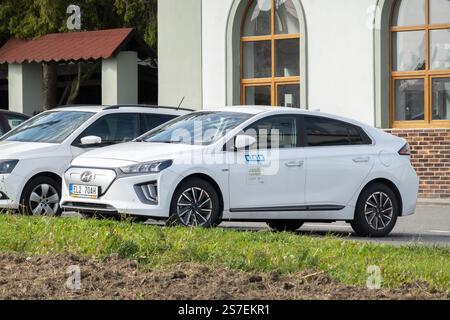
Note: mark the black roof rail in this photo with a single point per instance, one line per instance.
(79, 105)
(145, 106)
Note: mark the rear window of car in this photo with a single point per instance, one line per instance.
(321, 131)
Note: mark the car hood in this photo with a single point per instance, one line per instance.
(135, 152)
(25, 150)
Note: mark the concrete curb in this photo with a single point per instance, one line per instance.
(433, 202)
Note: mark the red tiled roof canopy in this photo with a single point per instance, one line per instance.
(73, 46)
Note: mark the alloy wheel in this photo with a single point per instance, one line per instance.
(194, 207)
(378, 210)
(44, 200)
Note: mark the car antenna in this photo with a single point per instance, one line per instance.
(181, 102)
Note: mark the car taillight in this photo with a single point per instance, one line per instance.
(405, 150)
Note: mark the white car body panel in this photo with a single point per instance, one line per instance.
(252, 180)
(341, 170)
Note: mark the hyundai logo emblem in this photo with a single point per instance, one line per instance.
(86, 176)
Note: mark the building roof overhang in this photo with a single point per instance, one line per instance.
(75, 46)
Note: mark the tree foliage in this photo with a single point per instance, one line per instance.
(27, 19)
(142, 15)
(33, 18)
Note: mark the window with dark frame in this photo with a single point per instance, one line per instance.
(113, 128)
(320, 132)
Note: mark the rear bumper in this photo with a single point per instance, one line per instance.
(409, 190)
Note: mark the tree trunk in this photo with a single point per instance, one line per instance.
(50, 85)
(79, 79)
(75, 90)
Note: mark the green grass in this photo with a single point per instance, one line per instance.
(153, 246)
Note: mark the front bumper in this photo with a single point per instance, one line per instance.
(123, 196)
(10, 191)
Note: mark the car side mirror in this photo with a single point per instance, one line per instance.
(243, 141)
(90, 140)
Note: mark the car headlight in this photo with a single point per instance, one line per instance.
(147, 167)
(7, 166)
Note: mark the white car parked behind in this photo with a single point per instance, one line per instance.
(34, 155)
(278, 165)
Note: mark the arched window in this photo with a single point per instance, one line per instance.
(420, 63)
(270, 53)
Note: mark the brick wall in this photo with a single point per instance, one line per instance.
(430, 158)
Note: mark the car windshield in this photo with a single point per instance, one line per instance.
(48, 127)
(199, 128)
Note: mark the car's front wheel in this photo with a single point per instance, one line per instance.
(195, 203)
(41, 196)
(285, 225)
(376, 211)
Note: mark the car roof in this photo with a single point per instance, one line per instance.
(81, 108)
(255, 110)
(132, 108)
(243, 109)
(259, 109)
(14, 113)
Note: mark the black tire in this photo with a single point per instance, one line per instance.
(285, 225)
(381, 222)
(41, 196)
(191, 213)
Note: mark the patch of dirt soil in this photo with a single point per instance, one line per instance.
(45, 277)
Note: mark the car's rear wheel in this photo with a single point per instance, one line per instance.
(41, 196)
(285, 225)
(195, 203)
(376, 211)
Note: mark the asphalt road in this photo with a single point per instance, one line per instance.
(430, 225)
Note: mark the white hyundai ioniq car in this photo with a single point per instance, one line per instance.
(278, 165)
(34, 155)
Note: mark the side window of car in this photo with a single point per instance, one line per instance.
(14, 121)
(355, 136)
(3, 125)
(322, 131)
(114, 128)
(151, 121)
(275, 132)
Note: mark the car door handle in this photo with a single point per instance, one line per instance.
(294, 164)
(361, 160)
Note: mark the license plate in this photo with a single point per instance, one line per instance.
(82, 191)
